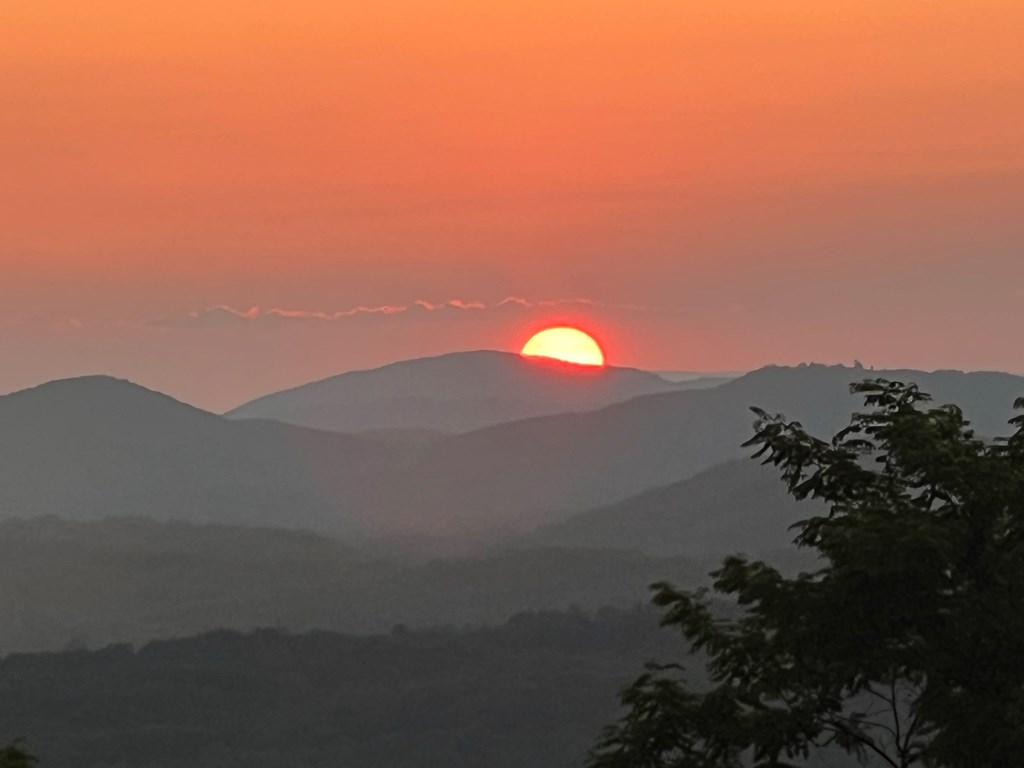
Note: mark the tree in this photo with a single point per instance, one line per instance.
(905, 646)
(13, 756)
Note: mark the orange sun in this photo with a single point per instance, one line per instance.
(570, 345)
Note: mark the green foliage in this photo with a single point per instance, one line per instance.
(13, 756)
(906, 645)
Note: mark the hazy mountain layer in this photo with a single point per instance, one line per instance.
(535, 471)
(740, 506)
(65, 584)
(453, 393)
(99, 447)
(96, 447)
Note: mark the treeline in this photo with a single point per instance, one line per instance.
(533, 692)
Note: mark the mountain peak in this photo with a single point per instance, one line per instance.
(95, 380)
(457, 392)
(95, 399)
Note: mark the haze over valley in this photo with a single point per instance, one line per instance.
(511, 384)
(130, 518)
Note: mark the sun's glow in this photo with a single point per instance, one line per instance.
(570, 345)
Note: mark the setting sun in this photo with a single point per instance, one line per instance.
(569, 345)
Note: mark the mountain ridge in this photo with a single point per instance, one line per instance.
(737, 506)
(455, 393)
(134, 580)
(171, 461)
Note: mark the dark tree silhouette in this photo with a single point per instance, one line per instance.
(906, 645)
(13, 756)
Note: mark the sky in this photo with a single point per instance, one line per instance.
(219, 200)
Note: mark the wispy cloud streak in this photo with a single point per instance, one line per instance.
(222, 315)
(43, 322)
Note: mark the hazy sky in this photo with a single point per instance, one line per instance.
(707, 185)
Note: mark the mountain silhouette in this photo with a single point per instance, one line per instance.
(738, 506)
(457, 392)
(540, 470)
(131, 580)
(99, 447)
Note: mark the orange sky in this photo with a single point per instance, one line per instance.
(730, 183)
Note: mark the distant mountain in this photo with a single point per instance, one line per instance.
(98, 447)
(739, 506)
(66, 584)
(453, 393)
(541, 470)
(699, 379)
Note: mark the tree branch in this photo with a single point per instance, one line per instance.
(870, 744)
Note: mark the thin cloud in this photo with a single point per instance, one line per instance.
(44, 322)
(222, 315)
